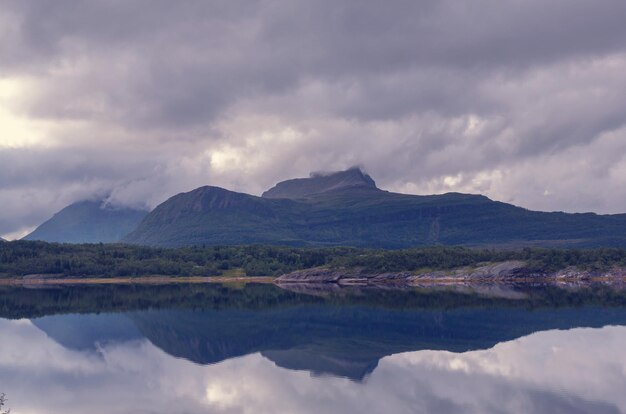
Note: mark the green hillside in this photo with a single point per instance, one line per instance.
(359, 214)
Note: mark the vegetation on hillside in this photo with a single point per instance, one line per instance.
(22, 258)
(112, 260)
(442, 258)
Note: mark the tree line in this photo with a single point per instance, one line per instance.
(22, 258)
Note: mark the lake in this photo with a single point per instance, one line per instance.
(259, 348)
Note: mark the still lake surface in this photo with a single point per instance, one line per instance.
(263, 349)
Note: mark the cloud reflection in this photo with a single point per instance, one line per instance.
(580, 370)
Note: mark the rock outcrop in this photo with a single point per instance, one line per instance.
(509, 271)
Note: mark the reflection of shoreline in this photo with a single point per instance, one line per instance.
(492, 290)
(145, 280)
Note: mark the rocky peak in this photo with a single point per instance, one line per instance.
(321, 183)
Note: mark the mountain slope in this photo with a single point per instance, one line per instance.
(322, 211)
(213, 215)
(88, 222)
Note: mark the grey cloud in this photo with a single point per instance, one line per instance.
(184, 64)
(378, 35)
(374, 35)
(163, 90)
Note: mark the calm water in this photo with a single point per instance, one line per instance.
(262, 349)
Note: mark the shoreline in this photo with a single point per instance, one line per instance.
(508, 272)
(453, 281)
(164, 280)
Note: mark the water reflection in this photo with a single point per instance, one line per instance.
(355, 351)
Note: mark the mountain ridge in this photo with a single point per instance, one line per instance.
(346, 208)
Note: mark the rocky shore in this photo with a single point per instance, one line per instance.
(505, 272)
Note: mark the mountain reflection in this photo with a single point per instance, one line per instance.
(429, 350)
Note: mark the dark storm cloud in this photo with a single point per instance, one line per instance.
(163, 62)
(428, 95)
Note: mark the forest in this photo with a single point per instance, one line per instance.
(21, 258)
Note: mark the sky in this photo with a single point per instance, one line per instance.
(136, 101)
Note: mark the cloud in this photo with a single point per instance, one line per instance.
(150, 98)
(538, 373)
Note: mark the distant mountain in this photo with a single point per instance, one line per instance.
(346, 208)
(2, 240)
(88, 222)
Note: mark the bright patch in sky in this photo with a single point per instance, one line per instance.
(17, 235)
(16, 130)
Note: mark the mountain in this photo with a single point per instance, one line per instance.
(88, 332)
(349, 341)
(2, 240)
(346, 208)
(320, 183)
(88, 222)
